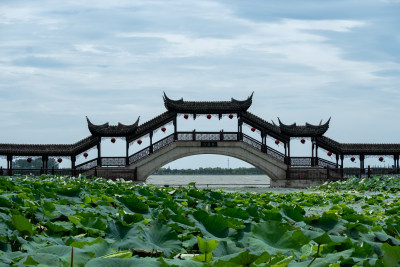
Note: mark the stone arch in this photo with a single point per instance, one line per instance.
(273, 168)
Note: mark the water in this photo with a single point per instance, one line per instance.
(246, 183)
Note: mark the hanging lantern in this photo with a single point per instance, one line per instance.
(29, 160)
(231, 116)
(59, 160)
(113, 140)
(302, 141)
(353, 159)
(163, 129)
(253, 129)
(329, 153)
(85, 155)
(186, 116)
(277, 142)
(380, 159)
(139, 142)
(208, 116)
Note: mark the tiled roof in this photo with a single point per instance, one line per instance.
(107, 130)
(50, 149)
(307, 130)
(213, 107)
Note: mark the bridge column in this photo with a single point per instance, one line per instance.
(73, 160)
(99, 153)
(151, 141)
(341, 166)
(312, 151)
(362, 157)
(45, 159)
(397, 165)
(9, 164)
(263, 142)
(127, 152)
(175, 129)
(240, 126)
(337, 160)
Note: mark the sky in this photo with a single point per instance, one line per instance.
(305, 61)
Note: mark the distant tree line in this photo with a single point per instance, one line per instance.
(208, 171)
(34, 164)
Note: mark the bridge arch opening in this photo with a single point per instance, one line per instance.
(212, 170)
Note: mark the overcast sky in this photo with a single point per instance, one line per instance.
(111, 60)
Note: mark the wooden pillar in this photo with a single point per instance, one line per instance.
(99, 153)
(240, 127)
(341, 160)
(362, 169)
(316, 154)
(337, 160)
(73, 160)
(127, 151)
(9, 164)
(151, 141)
(175, 128)
(312, 151)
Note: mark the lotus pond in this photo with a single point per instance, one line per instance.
(63, 221)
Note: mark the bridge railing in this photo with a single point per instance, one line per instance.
(326, 163)
(87, 165)
(163, 142)
(207, 136)
(337, 173)
(113, 161)
(263, 148)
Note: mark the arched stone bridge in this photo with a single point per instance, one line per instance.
(281, 167)
(183, 144)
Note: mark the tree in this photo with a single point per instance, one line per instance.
(34, 164)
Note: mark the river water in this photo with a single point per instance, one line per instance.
(248, 183)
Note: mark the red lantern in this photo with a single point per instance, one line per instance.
(139, 142)
(85, 155)
(253, 129)
(29, 160)
(163, 129)
(231, 116)
(59, 160)
(277, 142)
(112, 140)
(302, 141)
(186, 116)
(380, 159)
(208, 116)
(329, 153)
(353, 159)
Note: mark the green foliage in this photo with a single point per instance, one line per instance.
(119, 223)
(36, 163)
(382, 183)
